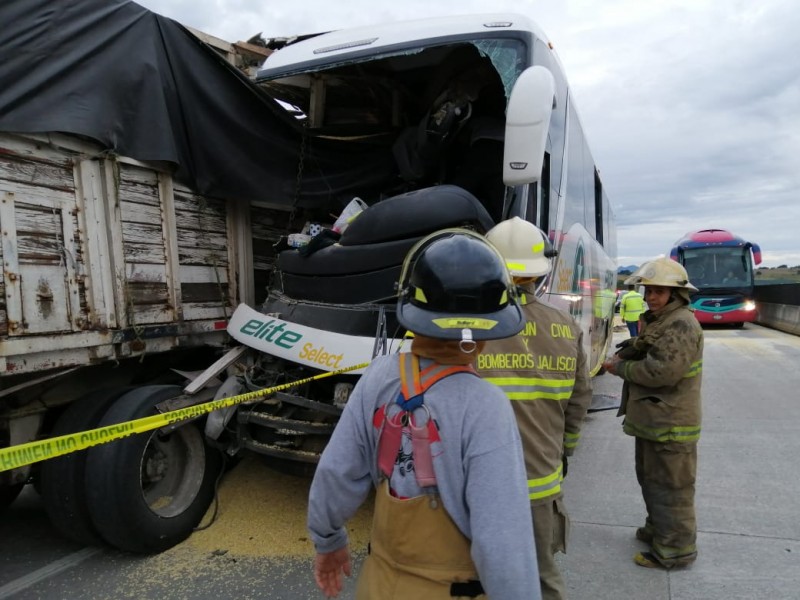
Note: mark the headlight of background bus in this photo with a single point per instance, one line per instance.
(749, 305)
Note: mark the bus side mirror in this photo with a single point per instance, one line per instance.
(756, 252)
(527, 123)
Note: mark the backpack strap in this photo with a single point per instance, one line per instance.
(413, 385)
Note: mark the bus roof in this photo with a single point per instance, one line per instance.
(706, 238)
(348, 43)
(710, 237)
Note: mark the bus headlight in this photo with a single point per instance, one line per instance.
(749, 305)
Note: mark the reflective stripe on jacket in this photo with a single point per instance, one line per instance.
(544, 372)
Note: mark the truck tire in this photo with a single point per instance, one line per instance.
(9, 493)
(62, 479)
(146, 493)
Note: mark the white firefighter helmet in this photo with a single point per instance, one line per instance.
(663, 272)
(523, 246)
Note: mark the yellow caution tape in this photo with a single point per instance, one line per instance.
(33, 452)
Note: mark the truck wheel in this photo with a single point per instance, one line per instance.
(147, 492)
(62, 479)
(9, 493)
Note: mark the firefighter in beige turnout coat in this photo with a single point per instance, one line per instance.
(662, 369)
(543, 370)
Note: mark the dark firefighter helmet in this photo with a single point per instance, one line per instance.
(454, 285)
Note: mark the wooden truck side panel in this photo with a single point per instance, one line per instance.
(105, 257)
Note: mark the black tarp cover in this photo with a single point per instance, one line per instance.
(143, 86)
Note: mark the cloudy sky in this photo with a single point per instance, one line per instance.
(691, 107)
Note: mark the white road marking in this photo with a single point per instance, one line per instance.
(54, 568)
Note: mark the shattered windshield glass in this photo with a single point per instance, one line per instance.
(507, 56)
(379, 93)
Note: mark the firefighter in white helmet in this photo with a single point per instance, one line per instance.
(544, 372)
(662, 372)
(440, 446)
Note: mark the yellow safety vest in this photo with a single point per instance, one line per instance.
(631, 306)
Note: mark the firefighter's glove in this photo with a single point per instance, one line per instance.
(631, 349)
(564, 465)
(625, 343)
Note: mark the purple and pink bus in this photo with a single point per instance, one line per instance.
(720, 265)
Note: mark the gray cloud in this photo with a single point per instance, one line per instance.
(695, 124)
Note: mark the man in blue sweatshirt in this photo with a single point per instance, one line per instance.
(439, 444)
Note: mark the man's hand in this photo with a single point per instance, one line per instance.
(610, 365)
(328, 569)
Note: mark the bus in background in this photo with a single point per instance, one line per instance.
(720, 265)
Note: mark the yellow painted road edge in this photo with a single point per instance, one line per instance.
(33, 452)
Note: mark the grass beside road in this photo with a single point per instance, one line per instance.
(778, 275)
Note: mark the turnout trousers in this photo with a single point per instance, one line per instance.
(550, 531)
(416, 552)
(666, 473)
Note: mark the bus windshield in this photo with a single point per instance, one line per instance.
(369, 94)
(718, 267)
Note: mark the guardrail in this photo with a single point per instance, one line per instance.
(778, 306)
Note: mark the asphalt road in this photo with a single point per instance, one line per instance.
(747, 508)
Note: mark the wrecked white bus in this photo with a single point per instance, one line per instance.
(417, 126)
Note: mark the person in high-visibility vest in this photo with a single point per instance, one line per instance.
(544, 372)
(631, 307)
(661, 403)
(439, 445)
